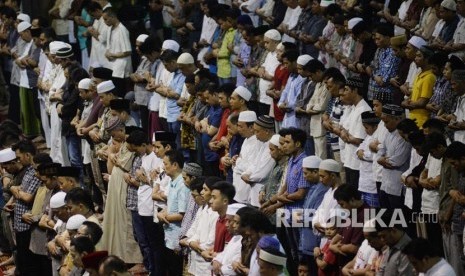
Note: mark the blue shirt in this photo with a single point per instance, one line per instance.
(173, 110)
(308, 239)
(289, 96)
(234, 149)
(295, 179)
(176, 203)
(214, 119)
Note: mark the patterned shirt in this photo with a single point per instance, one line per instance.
(384, 64)
(443, 96)
(131, 199)
(295, 179)
(29, 184)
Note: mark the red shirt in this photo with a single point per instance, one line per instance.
(222, 235)
(330, 259)
(223, 129)
(281, 75)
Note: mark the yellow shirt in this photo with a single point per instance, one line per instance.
(422, 88)
(224, 55)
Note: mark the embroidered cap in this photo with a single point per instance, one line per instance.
(192, 169)
(265, 121)
(393, 110)
(369, 117)
(449, 5)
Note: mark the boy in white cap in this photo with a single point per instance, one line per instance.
(249, 149)
(266, 71)
(308, 239)
(329, 171)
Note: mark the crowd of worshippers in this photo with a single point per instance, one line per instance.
(237, 120)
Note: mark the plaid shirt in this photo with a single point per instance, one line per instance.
(295, 180)
(29, 184)
(131, 199)
(385, 65)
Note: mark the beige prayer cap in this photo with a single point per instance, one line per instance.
(399, 40)
(247, 116)
(243, 92)
(185, 58)
(273, 35)
(449, 4)
(330, 165)
(311, 162)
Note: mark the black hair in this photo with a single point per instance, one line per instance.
(175, 156)
(438, 59)
(94, 231)
(112, 264)
(455, 151)
(387, 216)
(420, 249)
(435, 125)
(407, 126)
(227, 89)
(83, 244)
(42, 158)
(335, 73)
(226, 189)
(347, 192)
(359, 28)
(8, 138)
(291, 55)
(9, 125)
(93, 6)
(77, 74)
(211, 180)
(25, 146)
(151, 44)
(434, 140)
(333, 10)
(110, 12)
(80, 196)
(190, 79)
(297, 135)
(197, 184)
(9, 13)
(314, 65)
(289, 46)
(257, 221)
(416, 138)
(456, 63)
(137, 138)
(234, 118)
(169, 55)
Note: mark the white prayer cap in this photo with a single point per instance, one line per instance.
(58, 200)
(23, 26)
(247, 116)
(369, 226)
(273, 35)
(142, 38)
(272, 258)
(56, 45)
(354, 21)
(85, 84)
(449, 4)
(325, 3)
(303, 59)
(24, 17)
(105, 87)
(330, 165)
(243, 92)
(233, 208)
(75, 222)
(7, 155)
(311, 162)
(170, 45)
(275, 140)
(280, 46)
(417, 41)
(185, 58)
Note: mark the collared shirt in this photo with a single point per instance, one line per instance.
(230, 254)
(141, 95)
(440, 268)
(245, 159)
(307, 91)
(288, 97)
(214, 119)
(29, 184)
(397, 263)
(385, 65)
(173, 110)
(397, 151)
(222, 236)
(430, 197)
(443, 96)
(366, 183)
(270, 64)
(459, 135)
(244, 53)
(447, 32)
(224, 64)
(356, 129)
(176, 203)
(295, 179)
(144, 193)
(118, 42)
(422, 88)
(318, 102)
(131, 199)
(380, 135)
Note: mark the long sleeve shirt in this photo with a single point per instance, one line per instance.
(289, 97)
(224, 54)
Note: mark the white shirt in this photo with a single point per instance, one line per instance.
(356, 129)
(440, 268)
(202, 230)
(438, 28)
(402, 14)
(430, 198)
(290, 19)
(162, 182)
(364, 255)
(270, 64)
(318, 102)
(459, 113)
(165, 79)
(97, 51)
(327, 204)
(208, 30)
(344, 122)
(249, 149)
(259, 168)
(118, 42)
(230, 254)
(144, 193)
(366, 183)
(379, 135)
